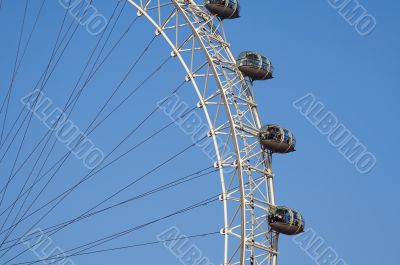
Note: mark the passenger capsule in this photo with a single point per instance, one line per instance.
(277, 139)
(224, 9)
(285, 220)
(255, 66)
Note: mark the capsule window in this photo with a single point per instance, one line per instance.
(232, 4)
(288, 217)
(277, 139)
(255, 66)
(280, 213)
(274, 134)
(264, 65)
(216, 2)
(285, 220)
(224, 9)
(249, 59)
(286, 137)
(296, 219)
(242, 55)
(252, 56)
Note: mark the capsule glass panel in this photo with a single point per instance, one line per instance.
(287, 135)
(255, 66)
(286, 221)
(277, 139)
(224, 9)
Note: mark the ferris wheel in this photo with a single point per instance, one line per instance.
(223, 86)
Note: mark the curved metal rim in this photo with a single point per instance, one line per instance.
(238, 151)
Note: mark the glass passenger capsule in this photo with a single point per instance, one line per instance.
(285, 220)
(224, 9)
(255, 66)
(277, 139)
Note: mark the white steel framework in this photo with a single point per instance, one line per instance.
(197, 39)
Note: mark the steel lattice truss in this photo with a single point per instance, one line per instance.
(198, 40)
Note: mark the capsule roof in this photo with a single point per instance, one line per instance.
(277, 139)
(224, 9)
(285, 220)
(255, 65)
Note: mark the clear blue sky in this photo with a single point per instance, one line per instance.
(314, 50)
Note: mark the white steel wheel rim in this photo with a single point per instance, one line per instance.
(248, 238)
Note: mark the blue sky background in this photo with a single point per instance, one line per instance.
(314, 50)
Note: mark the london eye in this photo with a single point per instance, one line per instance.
(156, 90)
